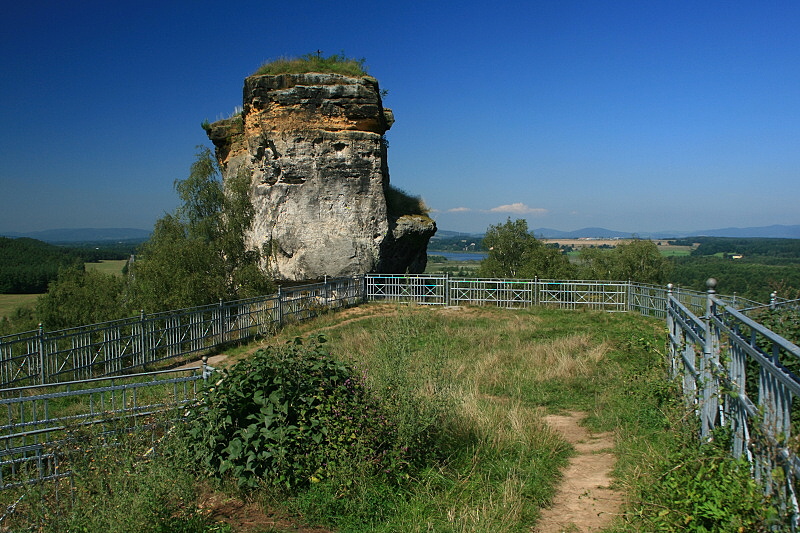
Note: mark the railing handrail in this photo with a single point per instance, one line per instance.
(127, 345)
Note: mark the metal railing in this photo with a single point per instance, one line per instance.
(422, 289)
(739, 375)
(135, 344)
(36, 420)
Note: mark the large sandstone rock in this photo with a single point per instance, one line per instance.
(314, 149)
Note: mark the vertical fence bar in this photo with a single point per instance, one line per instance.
(221, 319)
(42, 355)
(280, 307)
(708, 366)
(671, 331)
(142, 359)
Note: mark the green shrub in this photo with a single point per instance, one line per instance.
(701, 488)
(333, 64)
(292, 416)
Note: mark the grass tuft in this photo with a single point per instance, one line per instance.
(333, 64)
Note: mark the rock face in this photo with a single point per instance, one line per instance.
(313, 147)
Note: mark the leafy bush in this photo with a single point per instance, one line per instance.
(292, 416)
(333, 64)
(701, 488)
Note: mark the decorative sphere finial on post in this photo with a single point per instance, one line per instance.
(206, 370)
(711, 283)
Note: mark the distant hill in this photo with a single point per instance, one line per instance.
(84, 235)
(134, 234)
(589, 233)
(772, 232)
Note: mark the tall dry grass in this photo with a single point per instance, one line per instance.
(496, 373)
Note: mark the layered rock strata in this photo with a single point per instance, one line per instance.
(313, 147)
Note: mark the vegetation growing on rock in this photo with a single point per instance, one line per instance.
(399, 203)
(333, 64)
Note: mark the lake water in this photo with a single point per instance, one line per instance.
(461, 256)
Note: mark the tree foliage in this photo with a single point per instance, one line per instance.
(195, 256)
(515, 253)
(637, 260)
(747, 277)
(77, 297)
(198, 255)
(762, 247)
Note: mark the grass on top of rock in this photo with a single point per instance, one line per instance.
(399, 203)
(333, 64)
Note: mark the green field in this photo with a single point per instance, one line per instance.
(10, 302)
(107, 266)
(674, 251)
(455, 268)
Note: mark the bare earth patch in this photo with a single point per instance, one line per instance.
(249, 517)
(584, 502)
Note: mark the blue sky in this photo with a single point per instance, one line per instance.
(633, 115)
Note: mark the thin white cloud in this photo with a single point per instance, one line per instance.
(459, 210)
(519, 209)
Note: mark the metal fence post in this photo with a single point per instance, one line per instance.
(280, 307)
(142, 337)
(773, 299)
(207, 370)
(629, 289)
(673, 356)
(221, 320)
(710, 400)
(40, 339)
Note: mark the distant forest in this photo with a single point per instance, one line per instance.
(754, 247)
(28, 265)
(749, 267)
(752, 268)
(456, 243)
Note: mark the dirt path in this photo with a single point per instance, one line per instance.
(583, 503)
